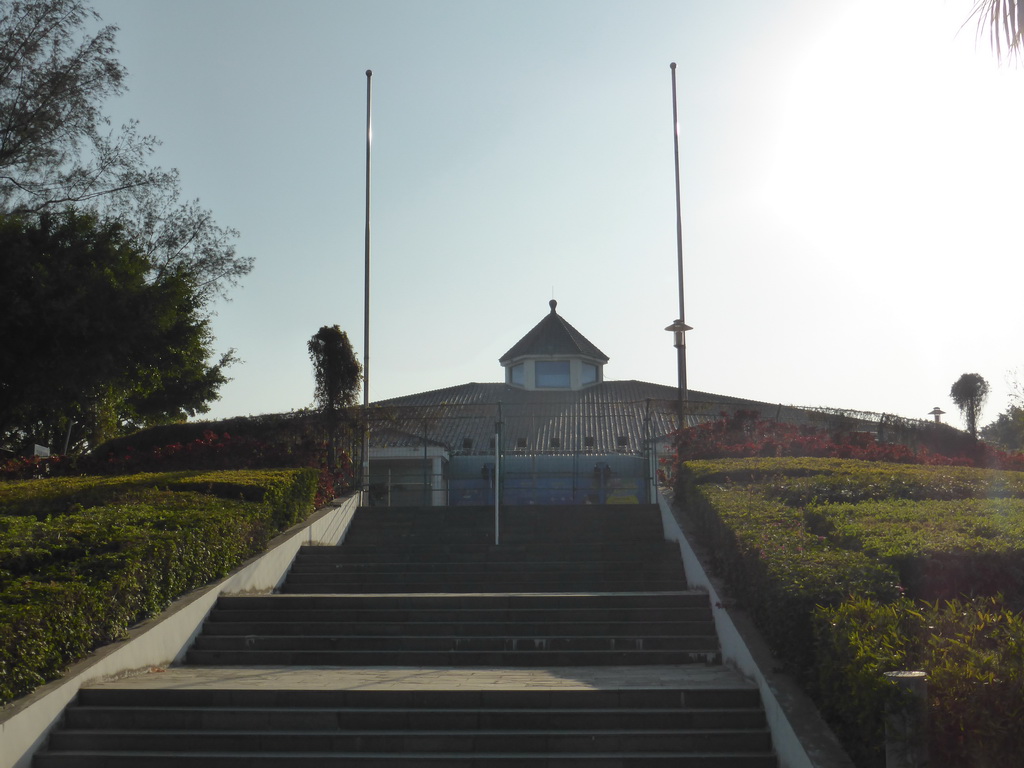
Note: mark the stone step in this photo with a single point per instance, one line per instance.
(455, 643)
(637, 513)
(370, 613)
(646, 562)
(428, 535)
(153, 718)
(459, 630)
(521, 657)
(469, 586)
(518, 526)
(680, 699)
(470, 628)
(399, 728)
(498, 601)
(510, 541)
(541, 570)
(451, 741)
(399, 760)
(511, 521)
(452, 554)
(510, 535)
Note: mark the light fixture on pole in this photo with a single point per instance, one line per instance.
(679, 329)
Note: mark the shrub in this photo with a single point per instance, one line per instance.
(856, 643)
(745, 434)
(294, 445)
(776, 569)
(854, 568)
(118, 550)
(972, 652)
(941, 549)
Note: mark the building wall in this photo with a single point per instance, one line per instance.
(550, 479)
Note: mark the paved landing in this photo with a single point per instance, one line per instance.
(413, 678)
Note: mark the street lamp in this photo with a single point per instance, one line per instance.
(679, 329)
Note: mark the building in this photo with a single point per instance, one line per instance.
(554, 431)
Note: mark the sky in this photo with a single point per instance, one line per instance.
(850, 188)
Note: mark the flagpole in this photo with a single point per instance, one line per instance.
(680, 324)
(365, 480)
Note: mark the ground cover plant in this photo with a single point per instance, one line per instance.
(852, 568)
(82, 559)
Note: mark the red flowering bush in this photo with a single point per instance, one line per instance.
(32, 467)
(745, 434)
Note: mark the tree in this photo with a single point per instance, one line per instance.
(57, 149)
(90, 336)
(1003, 20)
(1007, 431)
(337, 374)
(179, 236)
(969, 392)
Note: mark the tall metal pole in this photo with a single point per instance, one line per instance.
(684, 395)
(365, 480)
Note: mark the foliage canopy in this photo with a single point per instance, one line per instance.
(90, 336)
(108, 274)
(337, 373)
(335, 368)
(57, 147)
(969, 392)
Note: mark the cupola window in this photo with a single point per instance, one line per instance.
(552, 374)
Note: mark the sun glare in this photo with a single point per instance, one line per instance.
(895, 137)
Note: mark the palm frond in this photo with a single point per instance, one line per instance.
(1002, 22)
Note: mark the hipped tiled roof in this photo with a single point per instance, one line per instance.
(608, 417)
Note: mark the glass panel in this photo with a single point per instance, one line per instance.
(519, 375)
(589, 374)
(553, 374)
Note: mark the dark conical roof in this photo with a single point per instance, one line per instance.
(553, 336)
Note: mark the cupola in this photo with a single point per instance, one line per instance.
(553, 356)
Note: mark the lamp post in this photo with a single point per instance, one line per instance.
(679, 329)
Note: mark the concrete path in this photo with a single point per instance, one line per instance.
(409, 678)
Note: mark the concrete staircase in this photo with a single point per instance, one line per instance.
(569, 587)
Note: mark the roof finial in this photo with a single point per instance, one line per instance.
(552, 304)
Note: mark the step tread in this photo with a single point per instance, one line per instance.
(407, 755)
(135, 732)
(597, 711)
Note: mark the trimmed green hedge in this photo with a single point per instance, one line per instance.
(114, 551)
(776, 568)
(973, 652)
(852, 569)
